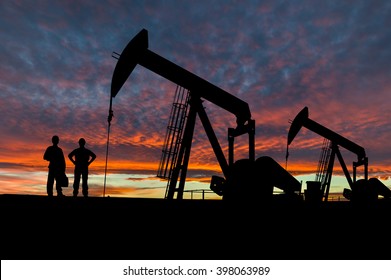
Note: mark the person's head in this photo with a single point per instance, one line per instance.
(82, 142)
(55, 139)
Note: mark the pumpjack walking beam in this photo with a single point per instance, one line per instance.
(137, 52)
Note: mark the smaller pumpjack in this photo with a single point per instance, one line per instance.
(362, 190)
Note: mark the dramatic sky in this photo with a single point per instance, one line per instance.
(278, 56)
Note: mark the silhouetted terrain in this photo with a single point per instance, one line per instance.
(39, 227)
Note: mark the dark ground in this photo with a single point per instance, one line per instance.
(39, 227)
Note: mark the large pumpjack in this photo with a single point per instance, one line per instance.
(244, 179)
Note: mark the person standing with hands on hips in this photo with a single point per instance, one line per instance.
(81, 158)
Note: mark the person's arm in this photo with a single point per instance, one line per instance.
(92, 157)
(70, 156)
(46, 155)
(63, 162)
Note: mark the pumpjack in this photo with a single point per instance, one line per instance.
(244, 179)
(362, 190)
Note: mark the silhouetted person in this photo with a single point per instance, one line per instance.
(81, 158)
(57, 165)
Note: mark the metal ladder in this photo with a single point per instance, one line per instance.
(323, 161)
(322, 175)
(174, 134)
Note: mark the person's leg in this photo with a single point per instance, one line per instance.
(50, 183)
(57, 177)
(85, 182)
(76, 182)
(58, 185)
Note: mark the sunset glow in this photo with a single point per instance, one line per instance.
(277, 56)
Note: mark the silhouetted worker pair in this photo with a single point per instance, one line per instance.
(80, 157)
